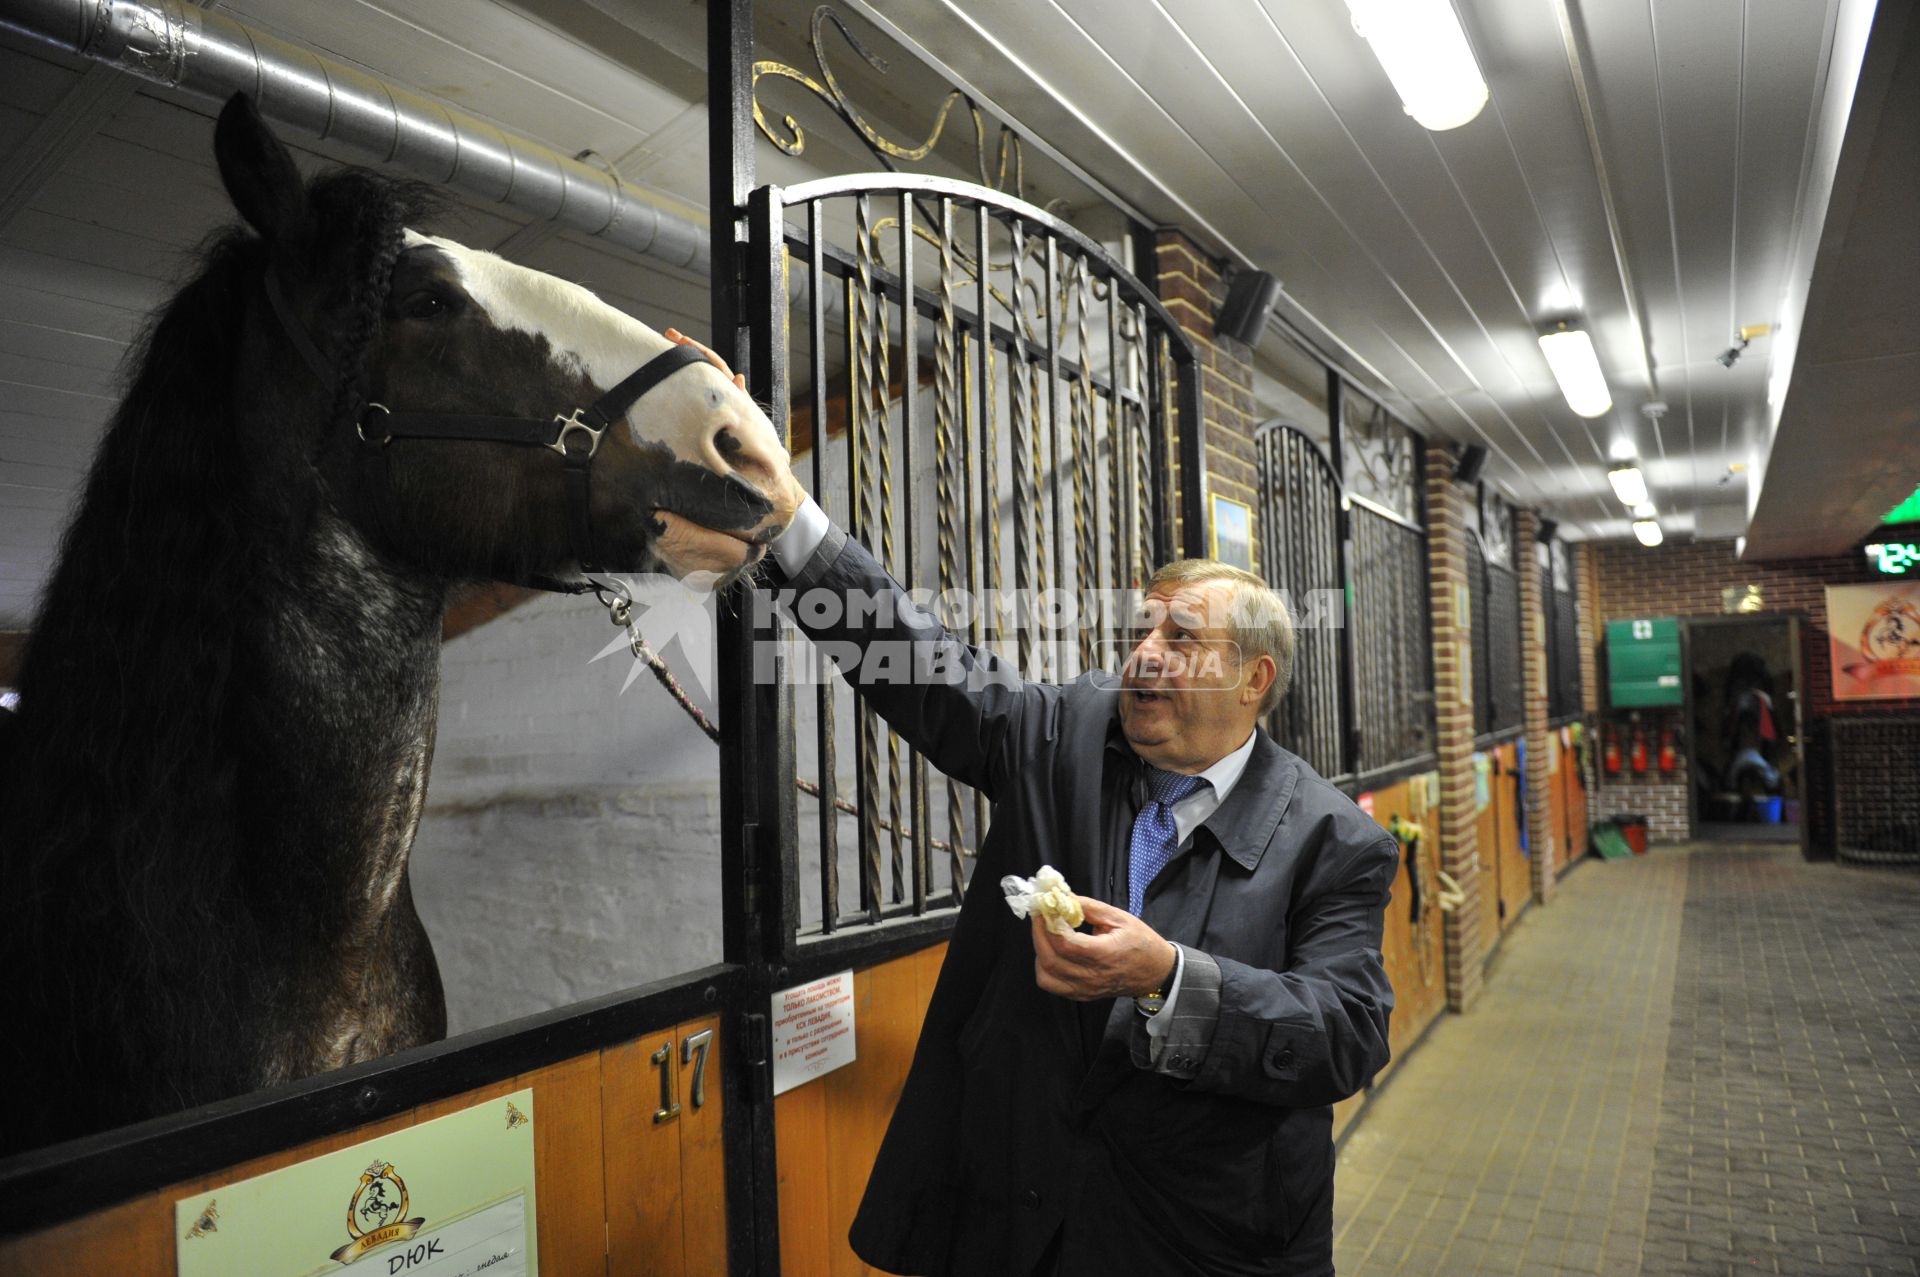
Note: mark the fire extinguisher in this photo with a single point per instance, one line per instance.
(1610, 756)
(1669, 755)
(1638, 756)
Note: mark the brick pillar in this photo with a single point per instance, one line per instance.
(1189, 282)
(1449, 513)
(1588, 584)
(1541, 838)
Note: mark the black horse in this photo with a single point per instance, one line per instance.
(210, 788)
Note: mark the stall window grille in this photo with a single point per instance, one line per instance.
(1560, 596)
(1498, 685)
(1393, 670)
(1299, 524)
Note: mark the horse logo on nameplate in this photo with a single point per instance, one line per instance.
(376, 1214)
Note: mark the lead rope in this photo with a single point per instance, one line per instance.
(620, 611)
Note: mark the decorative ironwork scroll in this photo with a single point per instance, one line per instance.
(829, 90)
(1496, 528)
(1380, 456)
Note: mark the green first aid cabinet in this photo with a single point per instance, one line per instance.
(1643, 663)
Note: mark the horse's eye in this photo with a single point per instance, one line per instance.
(423, 305)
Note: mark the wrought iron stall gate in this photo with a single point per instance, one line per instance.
(1499, 686)
(1361, 706)
(986, 398)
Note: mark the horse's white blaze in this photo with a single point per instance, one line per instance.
(685, 412)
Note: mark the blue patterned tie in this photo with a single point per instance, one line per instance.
(1154, 836)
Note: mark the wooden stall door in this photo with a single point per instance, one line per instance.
(1414, 956)
(1516, 886)
(661, 1109)
(827, 1131)
(1576, 787)
(615, 1191)
(1490, 837)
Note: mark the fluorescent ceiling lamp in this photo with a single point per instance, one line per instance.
(1569, 353)
(1645, 510)
(1424, 52)
(1648, 531)
(1629, 485)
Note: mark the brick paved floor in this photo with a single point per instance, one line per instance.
(1703, 1062)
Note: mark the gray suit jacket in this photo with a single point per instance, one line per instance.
(1216, 1160)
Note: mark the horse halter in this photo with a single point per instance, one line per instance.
(575, 434)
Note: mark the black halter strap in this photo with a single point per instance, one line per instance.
(574, 435)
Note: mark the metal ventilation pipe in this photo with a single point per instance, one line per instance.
(185, 47)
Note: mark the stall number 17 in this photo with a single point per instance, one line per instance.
(693, 1053)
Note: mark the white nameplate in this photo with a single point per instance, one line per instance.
(492, 1240)
(453, 1197)
(812, 1030)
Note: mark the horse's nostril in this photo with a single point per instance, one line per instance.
(728, 444)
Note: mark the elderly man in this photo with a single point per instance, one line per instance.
(1151, 1095)
(1154, 1096)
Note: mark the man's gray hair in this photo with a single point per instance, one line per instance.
(1259, 621)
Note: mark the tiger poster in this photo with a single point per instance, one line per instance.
(1873, 633)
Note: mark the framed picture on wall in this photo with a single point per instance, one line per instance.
(1873, 632)
(1232, 532)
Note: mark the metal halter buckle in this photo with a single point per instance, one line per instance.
(360, 426)
(570, 423)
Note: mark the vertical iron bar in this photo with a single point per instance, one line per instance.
(1055, 641)
(909, 429)
(989, 463)
(1160, 472)
(756, 753)
(868, 835)
(1356, 732)
(1020, 386)
(1193, 449)
(827, 749)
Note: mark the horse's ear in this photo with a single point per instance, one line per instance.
(259, 175)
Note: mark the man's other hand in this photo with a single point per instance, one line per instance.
(1122, 958)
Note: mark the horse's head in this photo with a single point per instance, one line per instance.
(452, 345)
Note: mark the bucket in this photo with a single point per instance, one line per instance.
(1635, 830)
(1768, 809)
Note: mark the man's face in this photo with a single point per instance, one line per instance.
(1187, 699)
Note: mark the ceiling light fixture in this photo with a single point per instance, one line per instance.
(1628, 484)
(1569, 353)
(1645, 510)
(1425, 53)
(1648, 532)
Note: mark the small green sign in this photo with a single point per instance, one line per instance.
(1643, 663)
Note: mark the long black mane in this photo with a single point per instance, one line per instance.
(122, 777)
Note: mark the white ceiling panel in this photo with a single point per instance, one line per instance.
(1426, 262)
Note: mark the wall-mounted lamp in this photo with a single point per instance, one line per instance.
(1647, 532)
(1425, 53)
(1628, 484)
(1569, 353)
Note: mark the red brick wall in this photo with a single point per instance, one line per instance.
(1190, 283)
(1467, 930)
(1686, 580)
(1542, 841)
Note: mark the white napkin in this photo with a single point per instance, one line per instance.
(1046, 894)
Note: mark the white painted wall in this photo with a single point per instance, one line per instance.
(571, 844)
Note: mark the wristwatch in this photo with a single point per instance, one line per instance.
(1151, 1003)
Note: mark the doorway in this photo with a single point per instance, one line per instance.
(1744, 740)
